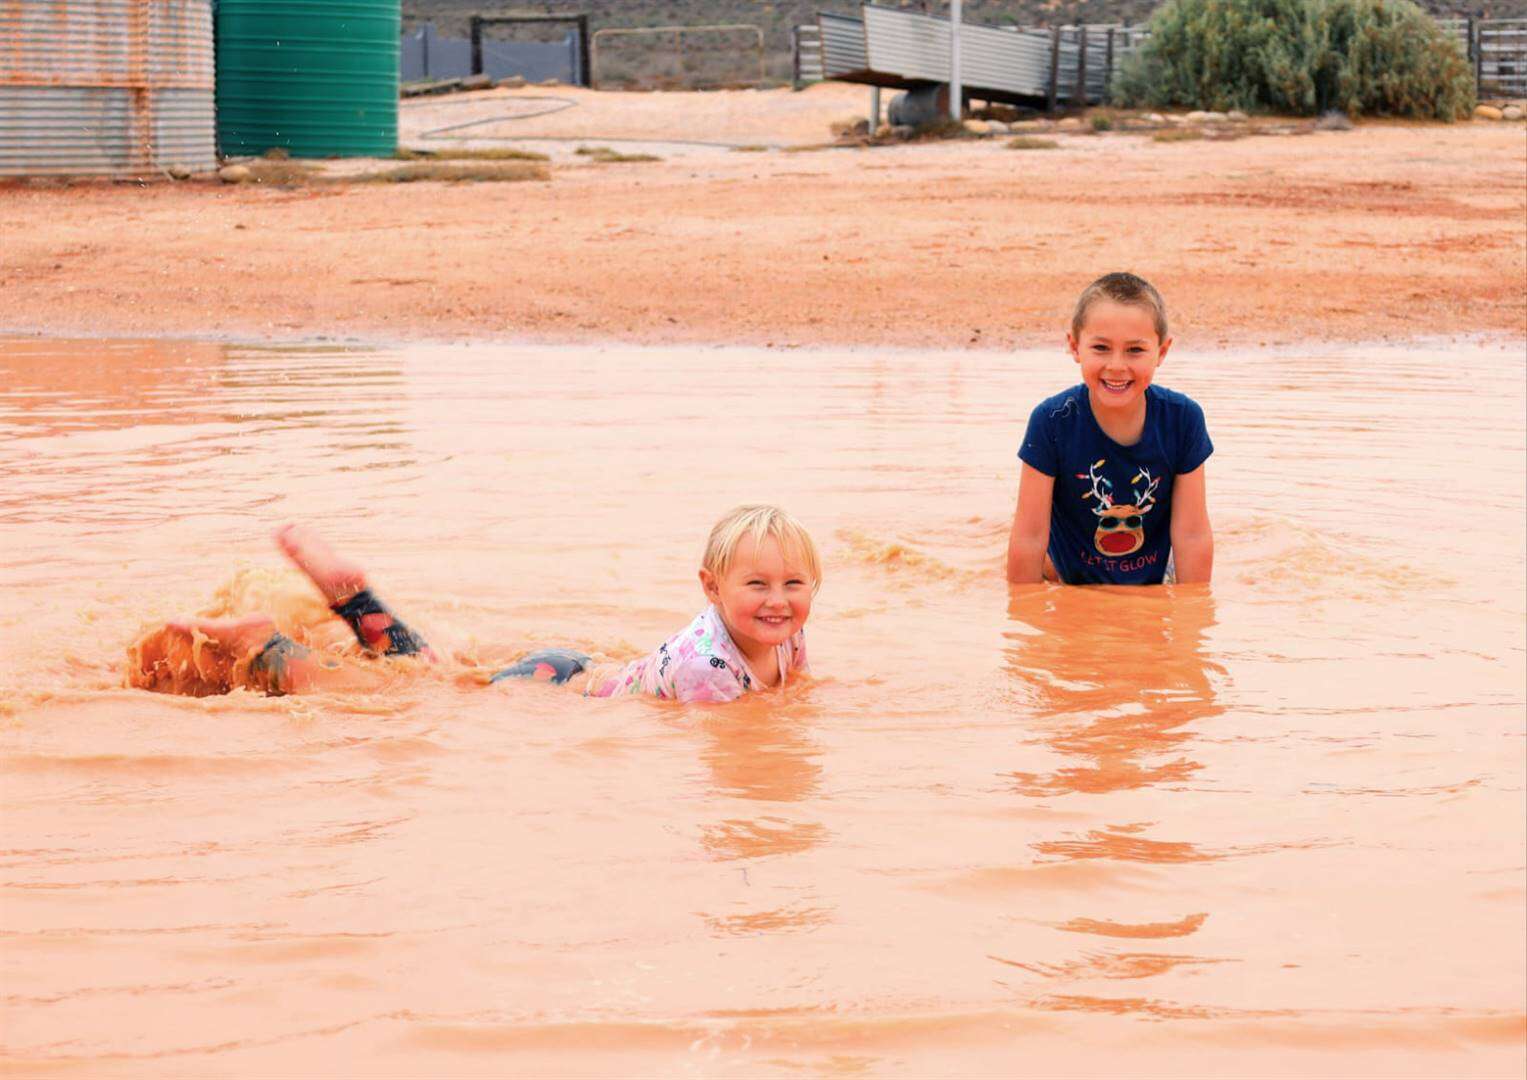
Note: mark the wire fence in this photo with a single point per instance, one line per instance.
(678, 57)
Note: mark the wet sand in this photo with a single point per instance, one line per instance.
(1386, 232)
(1272, 830)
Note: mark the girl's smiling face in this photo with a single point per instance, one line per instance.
(764, 596)
(1119, 352)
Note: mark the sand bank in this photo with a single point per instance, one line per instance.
(1386, 231)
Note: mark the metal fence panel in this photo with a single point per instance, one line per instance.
(806, 47)
(428, 54)
(1501, 60)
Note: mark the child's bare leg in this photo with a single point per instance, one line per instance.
(343, 584)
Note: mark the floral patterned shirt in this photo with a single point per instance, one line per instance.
(699, 663)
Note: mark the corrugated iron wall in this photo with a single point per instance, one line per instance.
(843, 51)
(106, 87)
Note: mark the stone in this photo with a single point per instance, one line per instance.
(178, 172)
(1201, 116)
(976, 127)
(513, 82)
(1025, 127)
(849, 126)
(997, 127)
(1512, 112)
(553, 81)
(1333, 121)
(903, 131)
(1488, 112)
(1235, 116)
(1154, 118)
(477, 82)
(885, 131)
(234, 174)
(1070, 123)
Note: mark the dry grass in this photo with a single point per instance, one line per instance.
(495, 154)
(294, 174)
(282, 172)
(1031, 142)
(1177, 135)
(603, 155)
(753, 148)
(492, 172)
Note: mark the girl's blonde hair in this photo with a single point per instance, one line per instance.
(758, 521)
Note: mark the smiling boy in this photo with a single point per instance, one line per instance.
(1113, 486)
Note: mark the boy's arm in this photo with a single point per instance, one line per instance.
(1192, 536)
(1030, 534)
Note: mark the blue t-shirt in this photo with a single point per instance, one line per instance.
(1111, 516)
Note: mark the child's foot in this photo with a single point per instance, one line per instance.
(335, 576)
(240, 636)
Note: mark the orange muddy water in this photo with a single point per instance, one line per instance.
(1273, 829)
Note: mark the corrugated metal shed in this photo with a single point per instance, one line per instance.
(106, 87)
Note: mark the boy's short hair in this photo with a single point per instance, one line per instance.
(758, 521)
(1121, 288)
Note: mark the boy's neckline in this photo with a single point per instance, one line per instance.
(1145, 399)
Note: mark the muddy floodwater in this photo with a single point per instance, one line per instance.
(1275, 828)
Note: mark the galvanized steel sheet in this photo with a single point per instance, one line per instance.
(887, 47)
(843, 53)
(106, 87)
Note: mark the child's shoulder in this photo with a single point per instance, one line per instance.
(1070, 402)
(1168, 396)
(1174, 405)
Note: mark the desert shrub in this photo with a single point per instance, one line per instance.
(1030, 142)
(1380, 57)
(1394, 61)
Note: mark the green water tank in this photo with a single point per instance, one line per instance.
(318, 78)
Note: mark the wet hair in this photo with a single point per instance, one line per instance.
(759, 521)
(1121, 288)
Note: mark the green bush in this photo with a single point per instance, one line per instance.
(1375, 57)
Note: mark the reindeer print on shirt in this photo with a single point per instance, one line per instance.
(1121, 526)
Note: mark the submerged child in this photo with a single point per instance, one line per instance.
(760, 571)
(1113, 486)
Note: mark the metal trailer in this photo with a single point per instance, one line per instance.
(1025, 66)
(106, 88)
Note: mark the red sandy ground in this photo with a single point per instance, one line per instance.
(1385, 231)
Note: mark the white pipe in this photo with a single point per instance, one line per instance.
(956, 87)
